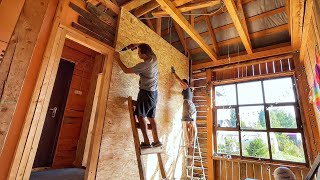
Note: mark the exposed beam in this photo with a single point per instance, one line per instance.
(159, 26)
(153, 5)
(169, 7)
(243, 18)
(134, 4)
(246, 57)
(189, 7)
(181, 36)
(231, 7)
(211, 33)
(296, 11)
(288, 15)
(250, 19)
(254, 35)
(113, 7)
(307, 21)
(149, 23)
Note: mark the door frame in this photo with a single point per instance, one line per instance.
(28, 142)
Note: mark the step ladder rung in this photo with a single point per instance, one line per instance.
(195, 167)
(195, 157)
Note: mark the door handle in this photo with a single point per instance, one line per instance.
(54, 111)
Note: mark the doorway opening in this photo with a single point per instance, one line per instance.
(63, 139)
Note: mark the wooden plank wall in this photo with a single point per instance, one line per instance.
(313, 45)
(235, 169)
(73, 115)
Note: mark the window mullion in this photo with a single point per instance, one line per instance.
(238, 120)
(267, 118)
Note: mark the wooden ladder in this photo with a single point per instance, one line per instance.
(140, 152)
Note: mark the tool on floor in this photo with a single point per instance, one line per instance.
(140, 152)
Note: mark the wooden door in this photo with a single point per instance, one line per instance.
(50, 132)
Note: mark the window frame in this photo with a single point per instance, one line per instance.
(268, 129)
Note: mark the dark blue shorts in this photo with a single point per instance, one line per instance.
(146, 103)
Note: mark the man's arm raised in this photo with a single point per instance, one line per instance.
(124, 68)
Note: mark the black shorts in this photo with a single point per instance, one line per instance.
(146, 103)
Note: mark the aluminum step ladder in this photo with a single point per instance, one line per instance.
(190, 156)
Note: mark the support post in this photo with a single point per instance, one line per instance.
(209, 125)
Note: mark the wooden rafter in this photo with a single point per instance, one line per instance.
(134, 4)
(230, 5)
(288, 15)
(307, 21)
(153, 5)
(109, 4)
(158, 26)
(211, 33)
(243, 18)
(250, 19)
(245, 57)
(255, 35)
(149, 23)
(296, 11)
(169, 7)
(189, 7)
(146, 8)
(181, 37)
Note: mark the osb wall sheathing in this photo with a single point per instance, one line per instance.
(117, 159)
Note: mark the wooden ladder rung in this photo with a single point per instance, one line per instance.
(138, 126)
(154, 150)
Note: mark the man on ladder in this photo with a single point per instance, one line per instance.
(190, 128)
(148, 94)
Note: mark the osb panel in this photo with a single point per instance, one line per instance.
(117, 154)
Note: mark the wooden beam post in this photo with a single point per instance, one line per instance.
(230, 5)
(149, 23)
(309, 121)
(296, 12)
(93, 156)
(189, 7)
(209, 125)
(211, 33)
(181, 37)
(307, 21)
(134, 4)
(159, 26)
(179, 18)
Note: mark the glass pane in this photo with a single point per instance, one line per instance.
(255, 144)
(287, 147)
(250, 93)
(282, 117)
(225, 95)
(226, 117)
(228, 142)
(252, 117)
(279, 90)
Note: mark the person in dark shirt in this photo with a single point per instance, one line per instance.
(189, 110)
(148, 91)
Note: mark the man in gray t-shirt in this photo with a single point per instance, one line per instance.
(148, 94)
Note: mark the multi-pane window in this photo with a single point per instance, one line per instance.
(259, 119)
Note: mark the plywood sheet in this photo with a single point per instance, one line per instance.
(117, 155)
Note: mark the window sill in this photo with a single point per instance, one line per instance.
(261, 162)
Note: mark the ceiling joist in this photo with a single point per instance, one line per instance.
(211, 33)
(231, 7)
(189, 7)
(134, 4)
(153, 5)
(181, 36)
(170, 8)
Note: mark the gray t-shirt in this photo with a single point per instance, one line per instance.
(148, 72)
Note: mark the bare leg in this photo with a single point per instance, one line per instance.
(154, 130)
(190, 133)
(143, 127)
